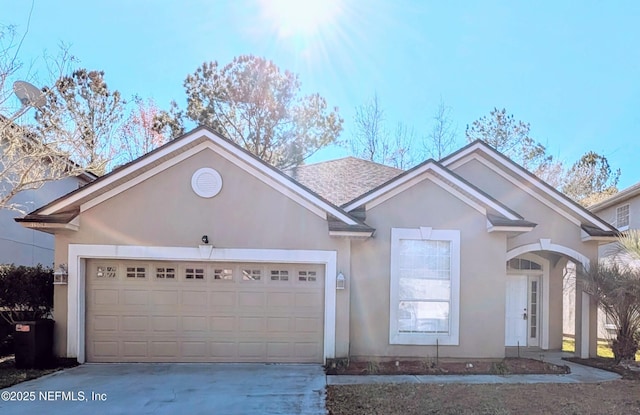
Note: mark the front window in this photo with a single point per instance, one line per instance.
(424, 286)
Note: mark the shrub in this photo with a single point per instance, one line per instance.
(26, 293)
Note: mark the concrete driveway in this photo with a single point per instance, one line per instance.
(172, 388)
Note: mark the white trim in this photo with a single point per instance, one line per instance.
(516, 229)
(584, 322)
(432, 170)
(453, 163)
(518, 184)
(543, 306)
(351, 234)
(230, 153)
(546, 245)
(78, 253)
(454, 319)
(44, 226)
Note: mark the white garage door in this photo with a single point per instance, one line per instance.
(203, 312)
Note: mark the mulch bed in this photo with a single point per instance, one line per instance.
(9, 375)
(508, 366)
(607, 363)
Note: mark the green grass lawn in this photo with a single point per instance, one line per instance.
(604, 350)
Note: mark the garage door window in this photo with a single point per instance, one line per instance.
(194, 273)
(307, 276)
(251, 275)
(279, 275)
(165, 273)
(223, 274)
(106, 271)
(136, 272)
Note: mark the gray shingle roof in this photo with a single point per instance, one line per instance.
(342, 180)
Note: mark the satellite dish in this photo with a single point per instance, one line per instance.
(29, 95)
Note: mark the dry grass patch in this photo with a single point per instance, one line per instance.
(10, 376)
(618, 397)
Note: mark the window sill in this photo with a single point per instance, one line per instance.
(424, 340)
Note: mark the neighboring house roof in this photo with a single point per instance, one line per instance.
(128, 175)
(342, 180)
(591, 224)
(30, 137)
(620, 197)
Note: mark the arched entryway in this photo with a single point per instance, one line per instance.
(535, 283)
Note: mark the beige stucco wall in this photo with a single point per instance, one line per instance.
(247, 213)
(482, 276)
(550, 225)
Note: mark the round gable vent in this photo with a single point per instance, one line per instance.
(206, 182)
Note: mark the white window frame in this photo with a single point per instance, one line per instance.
(623, 227)
(425, 234)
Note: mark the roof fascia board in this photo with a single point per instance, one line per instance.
(518, 184)
(231, 153)
(620, 197)
(172, 162)
(430, 171)
(464, 153)
(118, 175)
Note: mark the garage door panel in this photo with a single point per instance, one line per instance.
(135, 297)
(102, 323)
(278, 324)
(251, 350)
(165, 298)
(194, 349)
(195, 299)
(223, 350)
(280, 350)
(307, 325)
(164, 323)
(195, 323)
(219, 314)
(102, 296)
(134, 349)
(105, 349)
(164, 349)
(135, 323)
(251, 324)
(251, 299)
(221, 299)
(223, 323)
(308, 300)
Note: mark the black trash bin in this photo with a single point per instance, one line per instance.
(33, 344)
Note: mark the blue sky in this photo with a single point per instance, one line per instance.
(571, 69)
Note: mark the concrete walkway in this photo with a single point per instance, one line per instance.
(579, 374)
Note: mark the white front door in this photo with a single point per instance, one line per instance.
(516, 311)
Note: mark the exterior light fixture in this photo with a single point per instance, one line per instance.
(205, 239)
(61, 275)
(340, 281)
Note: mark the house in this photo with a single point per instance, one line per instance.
(24, 246)
(200, 252)
(623, 211)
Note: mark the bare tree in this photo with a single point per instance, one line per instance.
(402, 154)
(370, 139)
(441, 140)
(33, 154)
